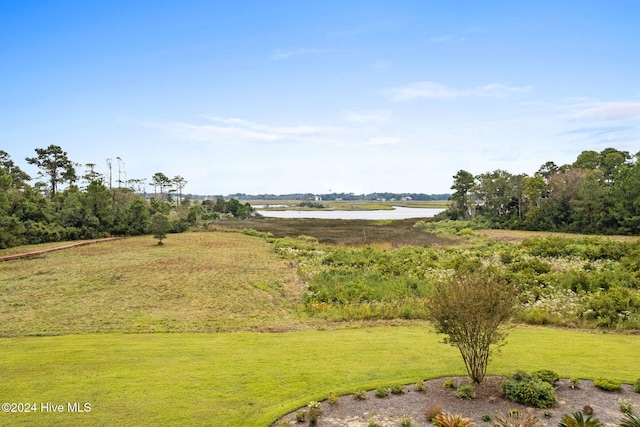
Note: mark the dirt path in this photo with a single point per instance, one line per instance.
(56, 248)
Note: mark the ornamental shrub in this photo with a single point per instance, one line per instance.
(465, 391)
(528, 390)
(577, 420)
(514, 419)
(547, 376)
(630, 420)
(452, 420)
(432, 411)
(382, 392)
(607, 384)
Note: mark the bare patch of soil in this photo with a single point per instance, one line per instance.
(388, 411)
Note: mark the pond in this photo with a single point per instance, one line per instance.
(397, 213)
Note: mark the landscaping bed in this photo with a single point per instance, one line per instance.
(388, 411)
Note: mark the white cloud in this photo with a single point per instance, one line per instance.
(434, 90)
(280, 55)
(240, 130)
(605, 111)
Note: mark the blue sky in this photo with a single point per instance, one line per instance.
(319, 96)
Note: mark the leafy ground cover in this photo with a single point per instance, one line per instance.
(246, 378)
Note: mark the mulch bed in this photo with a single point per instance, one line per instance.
(388, 411)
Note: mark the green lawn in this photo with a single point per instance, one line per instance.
(244, 378)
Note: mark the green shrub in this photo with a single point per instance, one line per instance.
(577, 420)
(314, 412)
(486, 418)
(301, 415)
(397, 389)
(527, 390)
(574, 382)
(256, 233)
(360, 394)
(382, 392)
(333, 398)
(547, 376)
(465, 391)
(419, 386)
(405, 421)
(449, 384)
(607, 384)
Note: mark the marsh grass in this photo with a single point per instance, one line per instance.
(202, 282)
(346, 232)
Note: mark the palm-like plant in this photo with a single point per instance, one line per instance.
(577, 420)
(514, 419)
(630, 420)
(450, 420)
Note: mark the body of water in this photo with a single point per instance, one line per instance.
(397, 213)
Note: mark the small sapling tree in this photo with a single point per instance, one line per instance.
(159, 226)
(472, 310)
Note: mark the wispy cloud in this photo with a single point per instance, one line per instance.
(368, 116)
(433, 90)
(240, 130)
(605, 111)
(279, 55)
(603, 135)
(446, 39)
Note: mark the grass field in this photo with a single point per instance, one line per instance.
(204, 282)
(249, 379)
(106, 303)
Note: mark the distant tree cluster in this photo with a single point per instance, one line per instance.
(598, 193)
(314, 205)
(65, 206)
(340, 196)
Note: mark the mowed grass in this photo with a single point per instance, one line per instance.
(201, 282)
(250, 379)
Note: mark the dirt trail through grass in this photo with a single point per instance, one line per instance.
(55, 248)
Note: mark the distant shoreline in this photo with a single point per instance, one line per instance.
(397, 212)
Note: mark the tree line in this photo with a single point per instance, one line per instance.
(63, 205)
(598, 193)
